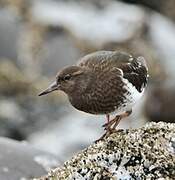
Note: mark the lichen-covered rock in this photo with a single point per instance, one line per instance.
(144, 153)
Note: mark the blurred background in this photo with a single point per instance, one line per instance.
(39, 37)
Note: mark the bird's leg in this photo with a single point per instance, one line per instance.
(110, 123)
(107, 117)
(125, 114)
(115, 123)
(116, 120)
(110, 126)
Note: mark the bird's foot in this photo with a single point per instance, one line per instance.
(108, 126)
(112, 124)
(101, 138)
(106, 134)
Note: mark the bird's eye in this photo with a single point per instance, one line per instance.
(67, 77)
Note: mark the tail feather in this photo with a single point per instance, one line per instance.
(142, 60)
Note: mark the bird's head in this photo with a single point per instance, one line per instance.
(73, 79)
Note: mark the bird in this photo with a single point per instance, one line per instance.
(104, 82)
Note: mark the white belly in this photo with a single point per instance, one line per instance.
(135, 95)
(132, 96)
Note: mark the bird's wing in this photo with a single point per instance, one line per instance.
(130, 68)
(107, 59)
(136, 72)
(94, 58)
(102, 59)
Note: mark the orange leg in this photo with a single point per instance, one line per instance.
(108, 118)
(111, 125)
(124, 115)
(116, 120)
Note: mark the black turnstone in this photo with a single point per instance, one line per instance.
(104, 82)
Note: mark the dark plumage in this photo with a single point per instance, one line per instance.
(103, 82)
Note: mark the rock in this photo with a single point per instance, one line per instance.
(147, 152)
(73, 17)
(19, 160)
(161, 29)
(160, 103)
(13, 81)
(60, 51)
(9, 34)
(162, 6)
(20, 104)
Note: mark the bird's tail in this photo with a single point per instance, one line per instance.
(142, 61)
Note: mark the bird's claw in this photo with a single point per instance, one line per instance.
(105, 126)
(106, 134)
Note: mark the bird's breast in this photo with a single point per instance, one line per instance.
(107, 96)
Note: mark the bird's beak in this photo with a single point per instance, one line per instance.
(52, 87)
